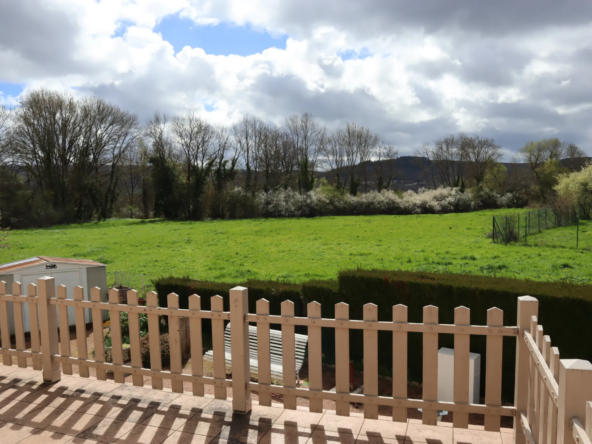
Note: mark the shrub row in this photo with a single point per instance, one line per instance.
(328, 201)
(564, 309)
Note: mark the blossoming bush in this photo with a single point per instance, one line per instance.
(575, 190)
(320, 202)
(327, 201)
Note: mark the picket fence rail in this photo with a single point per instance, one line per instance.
(552, 396)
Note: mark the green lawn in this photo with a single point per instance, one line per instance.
(295, 250)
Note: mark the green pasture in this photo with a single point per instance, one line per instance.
(296, 250)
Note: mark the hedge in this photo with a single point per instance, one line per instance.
(561, 305)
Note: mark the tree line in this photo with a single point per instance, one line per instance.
(474, 162)
(65, 159)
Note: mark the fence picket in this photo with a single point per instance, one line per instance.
(34, 325)
(532, 380)
(116, 342)
(552, 411)
(430, 365)
(527, 307)
(217, 305)
(64, 330)
(493, 372)
(263, 351)
(400, 362)
(315, 357)
(154, 340)
(4, 326)
(342, 358)
(48, 316)
(134, 332)
(97, 320)
(539, 387)
(544, 394)
(370, 360)
(196, 345)
(19, 328)
(175, 343)
(462, 316)
(80, 331)
(288, 355)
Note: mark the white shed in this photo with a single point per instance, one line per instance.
(68, 272)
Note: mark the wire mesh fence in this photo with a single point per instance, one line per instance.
(517, 227)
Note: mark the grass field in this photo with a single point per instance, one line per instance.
(295, 250)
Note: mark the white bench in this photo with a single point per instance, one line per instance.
(275, 346)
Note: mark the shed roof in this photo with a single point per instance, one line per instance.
(37, 260)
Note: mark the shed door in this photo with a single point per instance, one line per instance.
(70, 279)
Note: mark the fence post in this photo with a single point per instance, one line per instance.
(49, 329)
(527, 308)
(239, 334)
(588, 424)
(575, 389)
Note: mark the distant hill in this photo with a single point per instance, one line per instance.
(409, 170)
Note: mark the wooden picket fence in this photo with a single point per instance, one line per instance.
(551, 395)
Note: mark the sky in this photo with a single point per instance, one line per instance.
(513, 70)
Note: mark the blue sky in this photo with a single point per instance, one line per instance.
(350, 54)
(221, 39)
(10, 89)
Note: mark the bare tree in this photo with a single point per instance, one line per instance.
(481, 154)
(248, 136)
(447, 159)
(359, 143)
(163, 163)
(334, 156)
(194, 136)
(575, 158)
(309, 138)
(4, 133)
(384, 165)
(277, 159)
(157, 134)
(425, 160)
(132, 178)
(109, 134)
(72, 150)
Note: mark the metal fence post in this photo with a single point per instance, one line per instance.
(493, 229)
(526, 224)
(239, 334)
(575, 389)
(49, 329)
(527, 308)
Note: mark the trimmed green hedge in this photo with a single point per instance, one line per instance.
(563, 309)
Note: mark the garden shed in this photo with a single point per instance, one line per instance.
(68, 272)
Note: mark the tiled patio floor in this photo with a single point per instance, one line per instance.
(78, 410)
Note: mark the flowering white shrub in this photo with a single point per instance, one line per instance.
(290, 203)
(326, 201)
